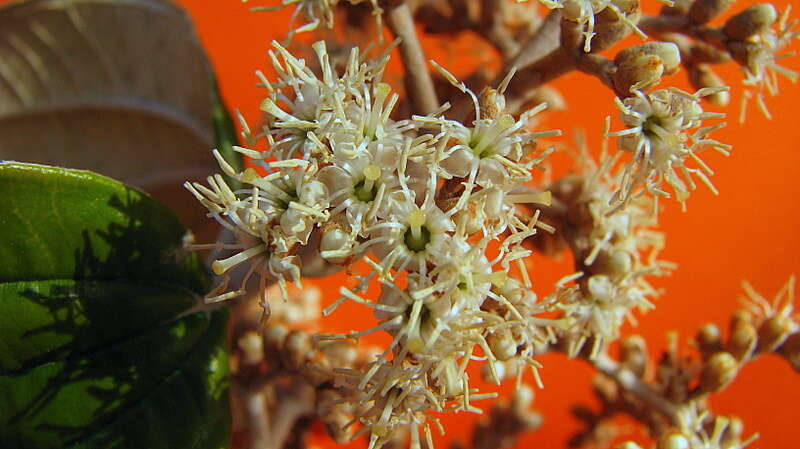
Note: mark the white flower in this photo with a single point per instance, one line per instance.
(411, 235)
(663, 129)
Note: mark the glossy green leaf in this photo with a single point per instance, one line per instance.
(101, 342)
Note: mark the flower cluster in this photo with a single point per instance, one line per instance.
(430, 204)
(756, 39)
(616, 250)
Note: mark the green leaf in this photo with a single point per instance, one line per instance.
(102, 344)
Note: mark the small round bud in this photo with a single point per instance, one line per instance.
(499, 370)
(616, 264)
(296, 348)
(340, 353)
(492, 103)
(668, 52)
(610, 27)
(718, 372)
(641, 73)
(522, 398)
(601, 288)
(753, 20)
(703, 11)
(252, 347)
(673, 440)
(629, 445)
(709, 340)
(773, 332)
(274, 336)
(334, 246)
(791, 350)
(502, 344)
(633, 354)
(743, 338)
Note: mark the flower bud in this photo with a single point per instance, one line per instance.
(296, 348)
(340, 353)
(702, 76)
(522, 398)
(642, 73)
(673, 440)
(610, 28)
(499, 369)
(633, 354)
(274, 336)
(576, 10)
(492, 103)
(791, 350)
(668, 52)
(502, 345)
(703, 11)
(718, 372)
(743, 337)
(617, 264)
(252, 347)
(773, 332)
(601, 288)
(629, 445)
(606, 390)
(335, 245)
(753, 20)
(709, 340)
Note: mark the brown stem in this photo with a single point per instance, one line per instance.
(544, 41)
(664, 24)
(631, 383)
(496, 32)
(418, 81)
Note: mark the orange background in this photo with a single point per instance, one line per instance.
(751, 231)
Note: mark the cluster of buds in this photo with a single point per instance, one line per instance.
(616, 250)
(755, 38)
(675, 407)
(610, 20)
(317, 13)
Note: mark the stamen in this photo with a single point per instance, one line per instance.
(221, 266)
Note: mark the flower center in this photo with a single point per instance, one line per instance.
(419, 242)
(364, 193)
(651, 126)
(366, 189)
(417, 235)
